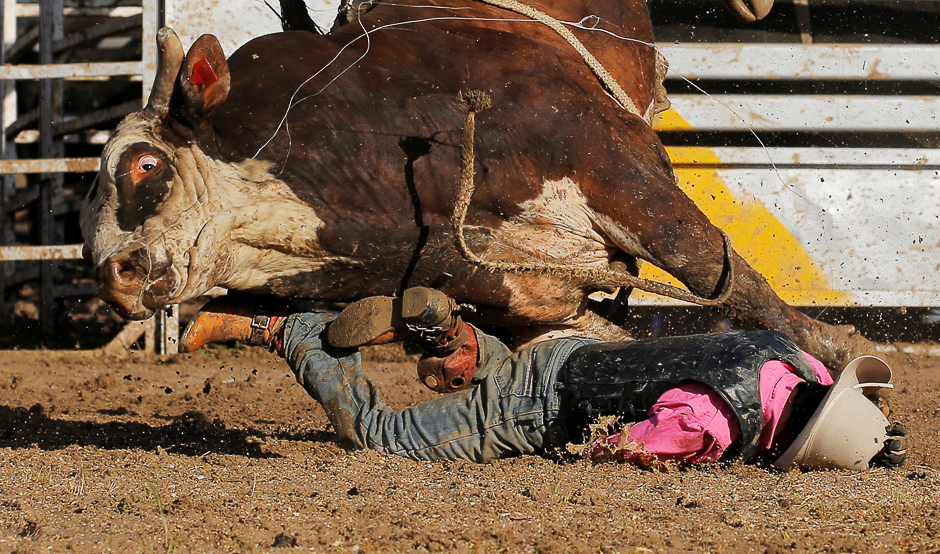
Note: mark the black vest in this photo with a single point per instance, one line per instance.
(626, 378)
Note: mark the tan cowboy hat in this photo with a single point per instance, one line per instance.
(848, 429)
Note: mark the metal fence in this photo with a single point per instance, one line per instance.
(39, 193)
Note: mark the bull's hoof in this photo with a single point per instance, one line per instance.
(749, 11)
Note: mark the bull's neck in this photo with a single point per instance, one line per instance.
(252, 221)
(232, 185)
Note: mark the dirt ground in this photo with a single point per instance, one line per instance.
(222, 451)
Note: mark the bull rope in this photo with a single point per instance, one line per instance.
(477, 101)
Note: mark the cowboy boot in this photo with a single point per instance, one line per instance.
(420, 314)
(227, 319)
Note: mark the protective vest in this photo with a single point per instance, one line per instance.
(627, 378)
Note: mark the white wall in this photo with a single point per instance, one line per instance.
(235, 22)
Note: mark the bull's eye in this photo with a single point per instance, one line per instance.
(144, 164)
(142, 177)
(147, 163)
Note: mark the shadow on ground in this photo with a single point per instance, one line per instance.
(189, 434)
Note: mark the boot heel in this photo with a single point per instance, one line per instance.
(426, 307)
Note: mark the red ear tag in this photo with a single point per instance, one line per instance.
(203, 74)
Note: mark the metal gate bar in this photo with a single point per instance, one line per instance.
(51, 190)
(802, 62)
(784, 112)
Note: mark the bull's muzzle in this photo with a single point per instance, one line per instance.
(136, 283)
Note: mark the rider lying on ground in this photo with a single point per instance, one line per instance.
(701, 398)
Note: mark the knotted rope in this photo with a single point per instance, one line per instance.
(477, 101)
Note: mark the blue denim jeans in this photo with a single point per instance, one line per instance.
(507, 413)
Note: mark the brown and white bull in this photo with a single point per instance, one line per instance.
(326, 168)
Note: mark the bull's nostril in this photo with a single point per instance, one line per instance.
(123, 271)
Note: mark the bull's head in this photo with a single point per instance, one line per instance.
(150, 202)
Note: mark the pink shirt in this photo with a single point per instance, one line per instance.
(692, 423)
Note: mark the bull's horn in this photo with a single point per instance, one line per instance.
(169, 58)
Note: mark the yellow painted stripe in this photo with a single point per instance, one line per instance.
(756, 234)
(670, 120)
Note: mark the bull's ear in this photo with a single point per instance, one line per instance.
(204, 77)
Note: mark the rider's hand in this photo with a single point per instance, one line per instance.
(895, 449)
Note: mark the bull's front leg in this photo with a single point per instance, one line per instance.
(587, 324)
(674, 235)
(698, 260)
(753, 301)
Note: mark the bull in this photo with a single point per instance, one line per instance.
(327, 168)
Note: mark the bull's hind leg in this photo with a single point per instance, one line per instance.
(661, 225)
